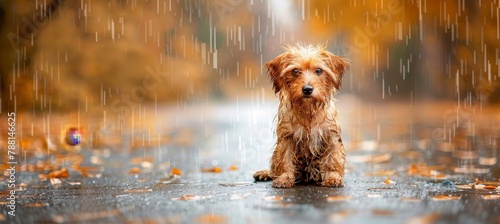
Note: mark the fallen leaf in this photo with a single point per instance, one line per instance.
(139, 160)
(191, 197)
(212, 170)
(465, 186)
(211, 218)
(272, 198)
(487, 161)
(471, 169)
(411, 199)
(61, 173)
(494, 183)
(134, 170)
(93, 175)
(338, 198)
(388, 181)
(443, 197)
(427, 171)
(34, 205)
(490, 187)
(491, 197)
(233, 168)
(426, 219)
(384, 158)
(147, 164)
(176, 171)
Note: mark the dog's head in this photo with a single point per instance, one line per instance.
(307, 72)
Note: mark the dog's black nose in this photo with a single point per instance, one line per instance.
(307, 90)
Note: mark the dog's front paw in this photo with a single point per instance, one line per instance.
(263, 175)
(333, 180)
(283, 181)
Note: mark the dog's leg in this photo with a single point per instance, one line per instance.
(263, 175)
(282, 165)
(332, 163)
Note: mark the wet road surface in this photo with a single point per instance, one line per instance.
(426, 163)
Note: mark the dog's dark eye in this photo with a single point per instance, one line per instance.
(295, 71)
(319, 71)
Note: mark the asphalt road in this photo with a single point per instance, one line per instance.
(429, 163)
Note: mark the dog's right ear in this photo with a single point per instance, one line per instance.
(274, 68)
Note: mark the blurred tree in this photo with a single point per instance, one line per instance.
(122, 54)
(416, 48)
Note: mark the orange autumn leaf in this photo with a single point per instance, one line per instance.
(37, 204)
(175, 171)
(134, 170)
(388, 181)
(61, 173)
(338, 198)
(211, 218)
(445, 197)
(491, 197)
(233, 168)
(425, 170)
(212, 170)
(272, 198)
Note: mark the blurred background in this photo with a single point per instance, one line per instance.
(124, 72)
(66, 55)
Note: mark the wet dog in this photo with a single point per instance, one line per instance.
(309, 145)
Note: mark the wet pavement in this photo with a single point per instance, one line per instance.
(420, 163)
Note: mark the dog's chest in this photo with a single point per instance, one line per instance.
(309, 142)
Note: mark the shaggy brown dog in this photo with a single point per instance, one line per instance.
(309, 146)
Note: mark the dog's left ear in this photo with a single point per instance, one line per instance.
(274, 68)
(338, 65)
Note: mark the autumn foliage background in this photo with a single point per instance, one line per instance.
(89, 55)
